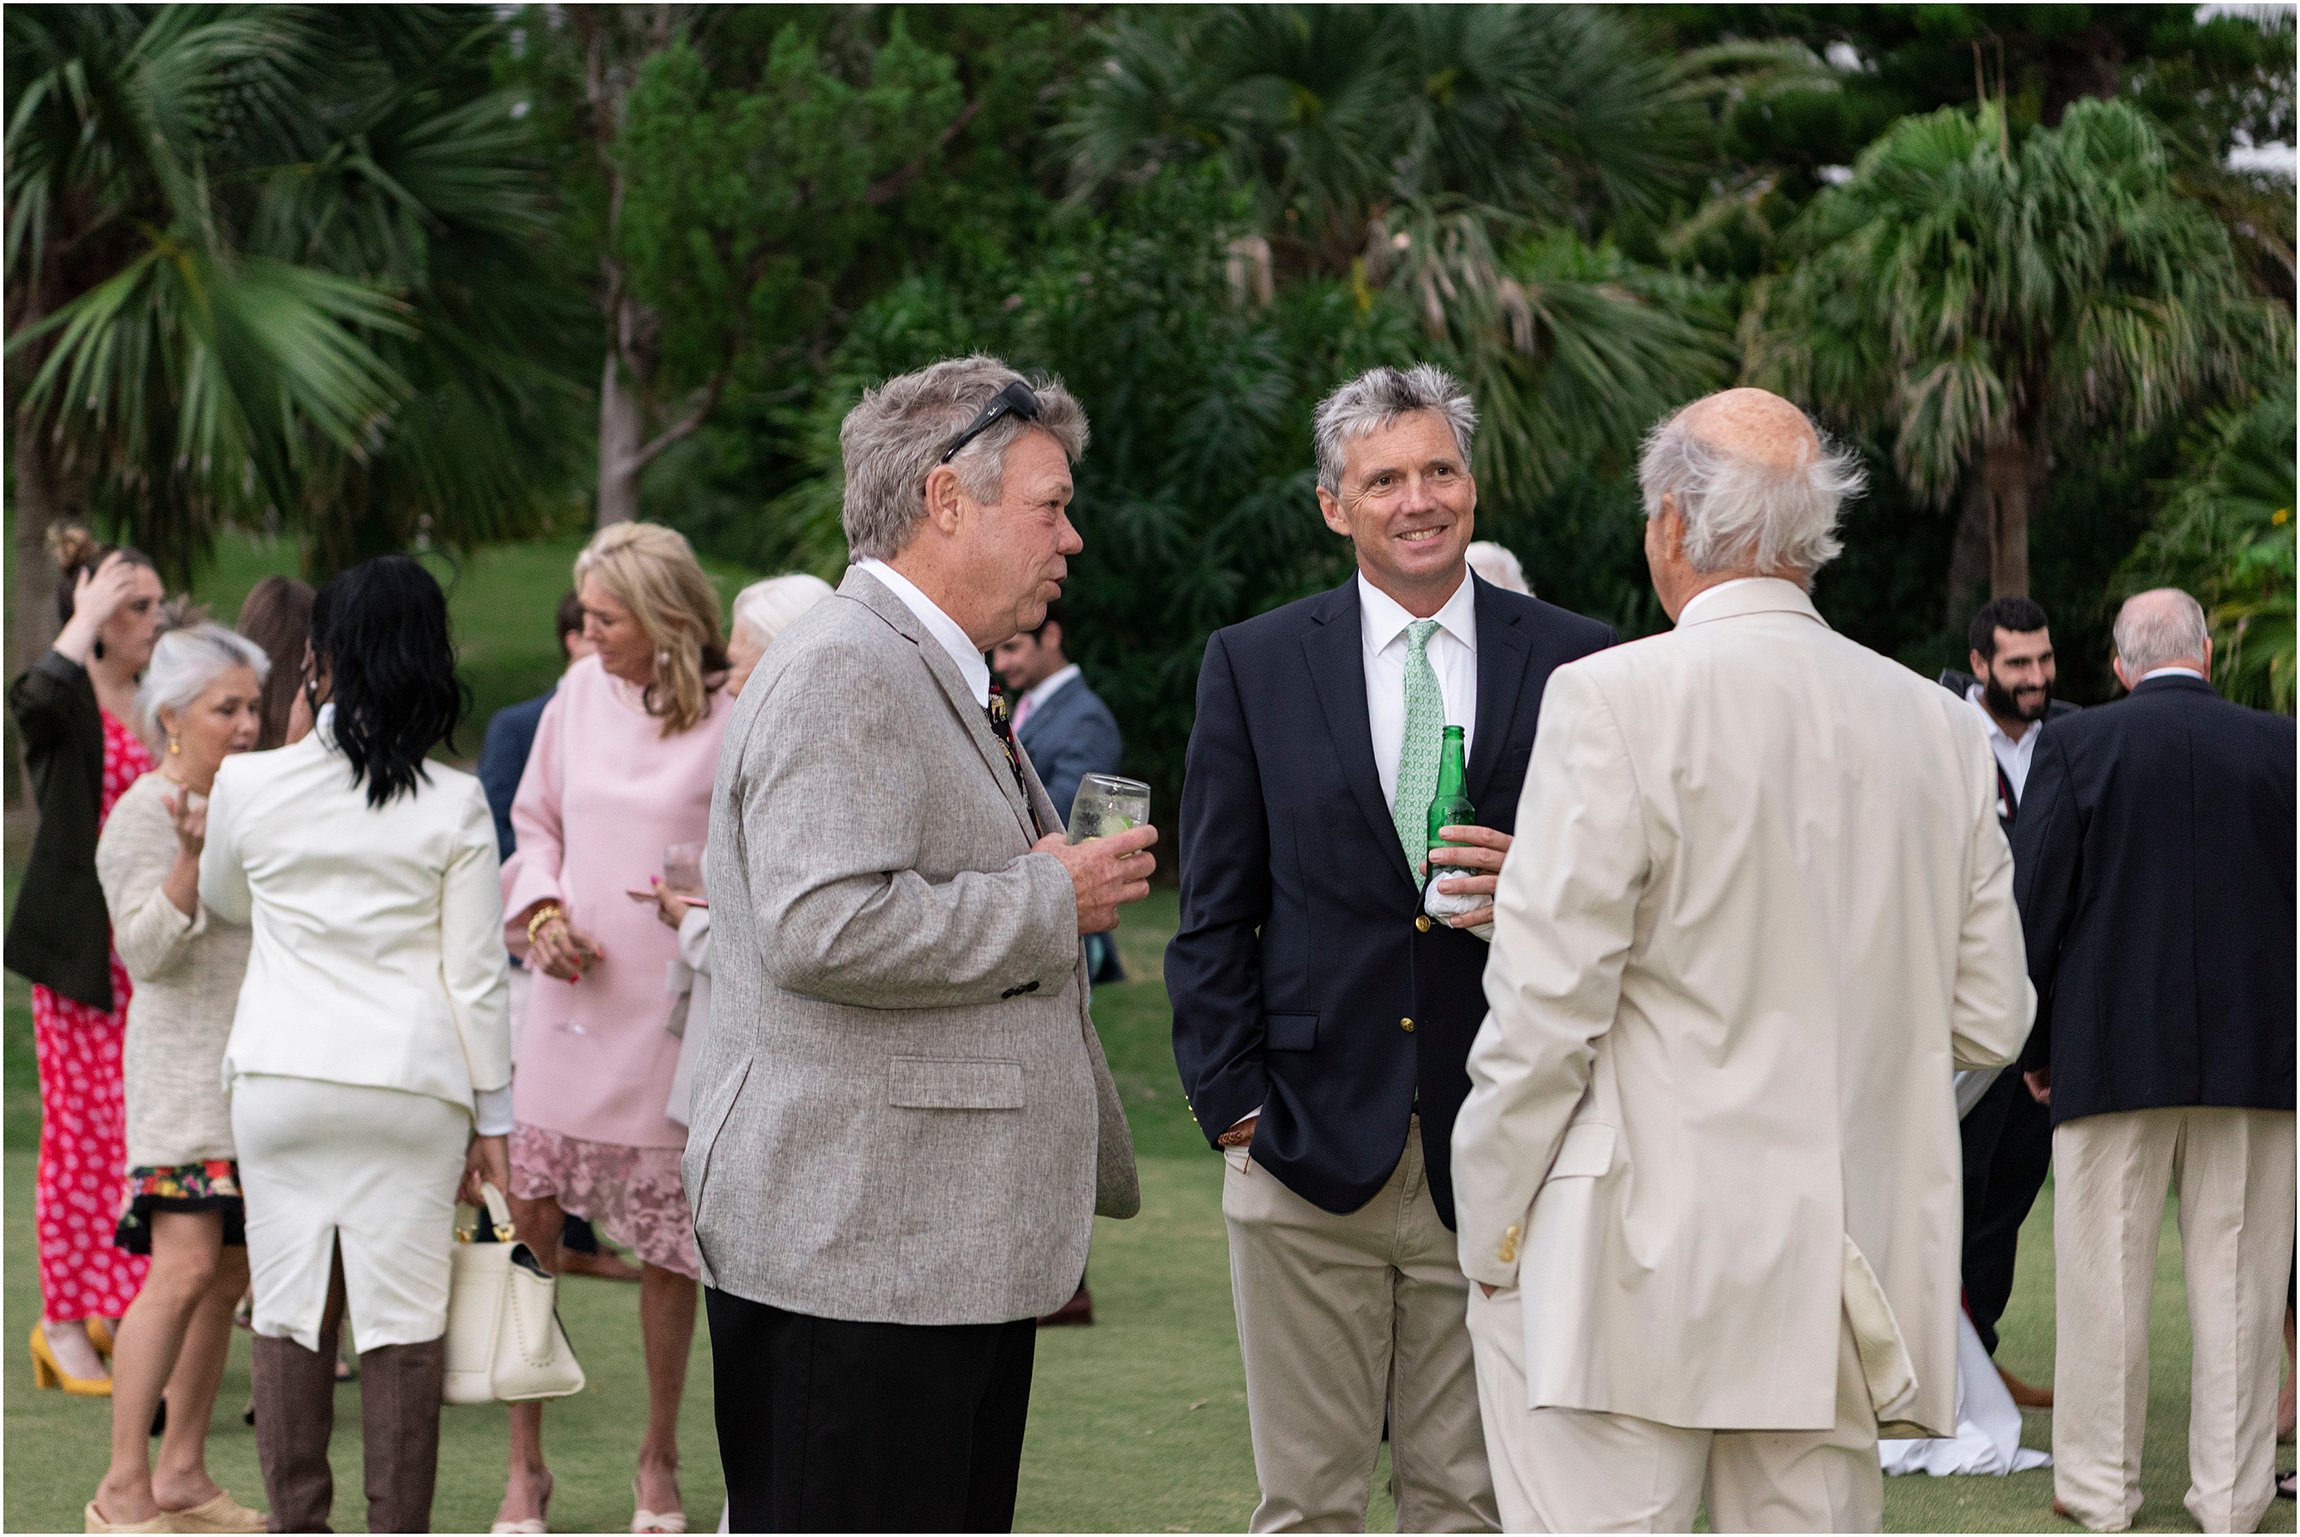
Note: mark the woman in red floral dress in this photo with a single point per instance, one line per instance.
(70, 706)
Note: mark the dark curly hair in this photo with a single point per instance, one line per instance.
(379, 634)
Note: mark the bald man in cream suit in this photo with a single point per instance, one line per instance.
(1758, 912)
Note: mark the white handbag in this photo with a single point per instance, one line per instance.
(504, 1340)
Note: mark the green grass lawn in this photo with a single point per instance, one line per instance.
(1137, 1424)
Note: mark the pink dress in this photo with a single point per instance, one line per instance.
(83, 1168)
(605, 792)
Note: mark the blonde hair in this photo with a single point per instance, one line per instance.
(652, 571)
(764, 607)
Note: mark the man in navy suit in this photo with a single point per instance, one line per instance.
(2153, 860)
(1322, 1018)
(1067, 730)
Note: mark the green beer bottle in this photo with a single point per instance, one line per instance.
(1450, 807)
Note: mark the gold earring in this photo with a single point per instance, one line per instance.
(174, 747)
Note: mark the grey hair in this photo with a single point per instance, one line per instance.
(1498, 565)
(2161, 625)
(184, 662)
(764, 607)
(1378, 397)
(1741, 513)
(894, 438)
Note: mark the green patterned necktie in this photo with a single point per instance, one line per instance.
(1418, 747)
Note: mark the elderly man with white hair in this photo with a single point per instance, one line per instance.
(2155, 855)
(1758, 912)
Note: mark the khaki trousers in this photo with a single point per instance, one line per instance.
(1340, 1317)
(2234, 1173)
(1573, 1470)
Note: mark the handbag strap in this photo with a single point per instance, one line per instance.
(498, 1216)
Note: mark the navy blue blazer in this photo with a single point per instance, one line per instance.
(503, 759)
(1071, 735)
(2153, 865)
(1304, 981)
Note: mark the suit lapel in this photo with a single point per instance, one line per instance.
(873, 595)
(1334, 646)
(1501, 657)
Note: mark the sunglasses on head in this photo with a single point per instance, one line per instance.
(1017, 399)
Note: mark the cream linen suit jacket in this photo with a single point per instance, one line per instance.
(901, 1113)
(378, 953)
(1758, 912)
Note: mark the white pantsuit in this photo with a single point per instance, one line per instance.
(1758, 913)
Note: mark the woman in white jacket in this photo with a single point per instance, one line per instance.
(369, 1063)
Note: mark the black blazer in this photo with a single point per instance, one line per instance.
(1304, 982)
(2153, 865)
(60, 935)
(2008, 800)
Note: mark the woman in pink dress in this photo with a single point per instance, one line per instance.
(622, 768)
(70, 706)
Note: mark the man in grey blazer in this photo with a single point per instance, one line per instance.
(903, 1123)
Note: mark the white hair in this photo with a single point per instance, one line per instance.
(764, 607)
(895, 437)
(186, 661)
(1378, 397)
(1497, 565)
(1744, 514)
(2159, 626)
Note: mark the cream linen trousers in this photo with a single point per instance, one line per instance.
(377, 1170)
(2234, 1173)
(1574, 1470)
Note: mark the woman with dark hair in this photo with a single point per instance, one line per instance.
(277, 617)
(369, 1063)
(73, 705)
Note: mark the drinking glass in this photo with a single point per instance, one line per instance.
(1107, 804)
(683, 869)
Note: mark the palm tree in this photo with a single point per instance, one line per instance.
(262, 261)
(1466, 160)
(1976, 303)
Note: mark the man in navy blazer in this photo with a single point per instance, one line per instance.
(1322, 1017)
(2153, 861)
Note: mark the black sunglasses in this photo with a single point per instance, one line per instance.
(1017, 399)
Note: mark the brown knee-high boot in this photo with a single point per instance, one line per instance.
(295, 1416)
(399, 1393)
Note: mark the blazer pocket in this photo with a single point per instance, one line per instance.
(1289, 1032)
(1586, 1153)
(954, 1083)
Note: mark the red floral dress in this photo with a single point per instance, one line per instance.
(84, 1117)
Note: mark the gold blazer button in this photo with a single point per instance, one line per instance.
(1422, 924)
(1407, 1025)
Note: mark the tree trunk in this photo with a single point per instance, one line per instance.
(2008, 467)
(622, 425)
(1969, 554)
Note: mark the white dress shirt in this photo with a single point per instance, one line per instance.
(1693, 605)
(938, 624)
(1452, 655)
(2174, 672)
(1040, 693)
(2014, 754)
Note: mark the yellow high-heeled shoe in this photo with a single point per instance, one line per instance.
(100, 1336)
(47, 1374)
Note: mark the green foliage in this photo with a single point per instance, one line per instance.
(746, 200)
(280, 263)
(2226, 536)
(1969, 295)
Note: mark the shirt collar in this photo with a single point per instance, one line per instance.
(2171, 672)
(1385, 619)
(1693, 604)
(940, 625)
(1039, 693)
(1973, 693)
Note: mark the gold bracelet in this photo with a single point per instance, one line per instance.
(544, 914)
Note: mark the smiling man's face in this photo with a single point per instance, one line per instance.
(1409, 505)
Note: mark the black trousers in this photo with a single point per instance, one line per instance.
(829, 1426)
(2007, 1149)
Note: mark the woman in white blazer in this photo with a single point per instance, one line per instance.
(369, 1063)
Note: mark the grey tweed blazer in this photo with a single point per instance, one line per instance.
(902, 1113)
